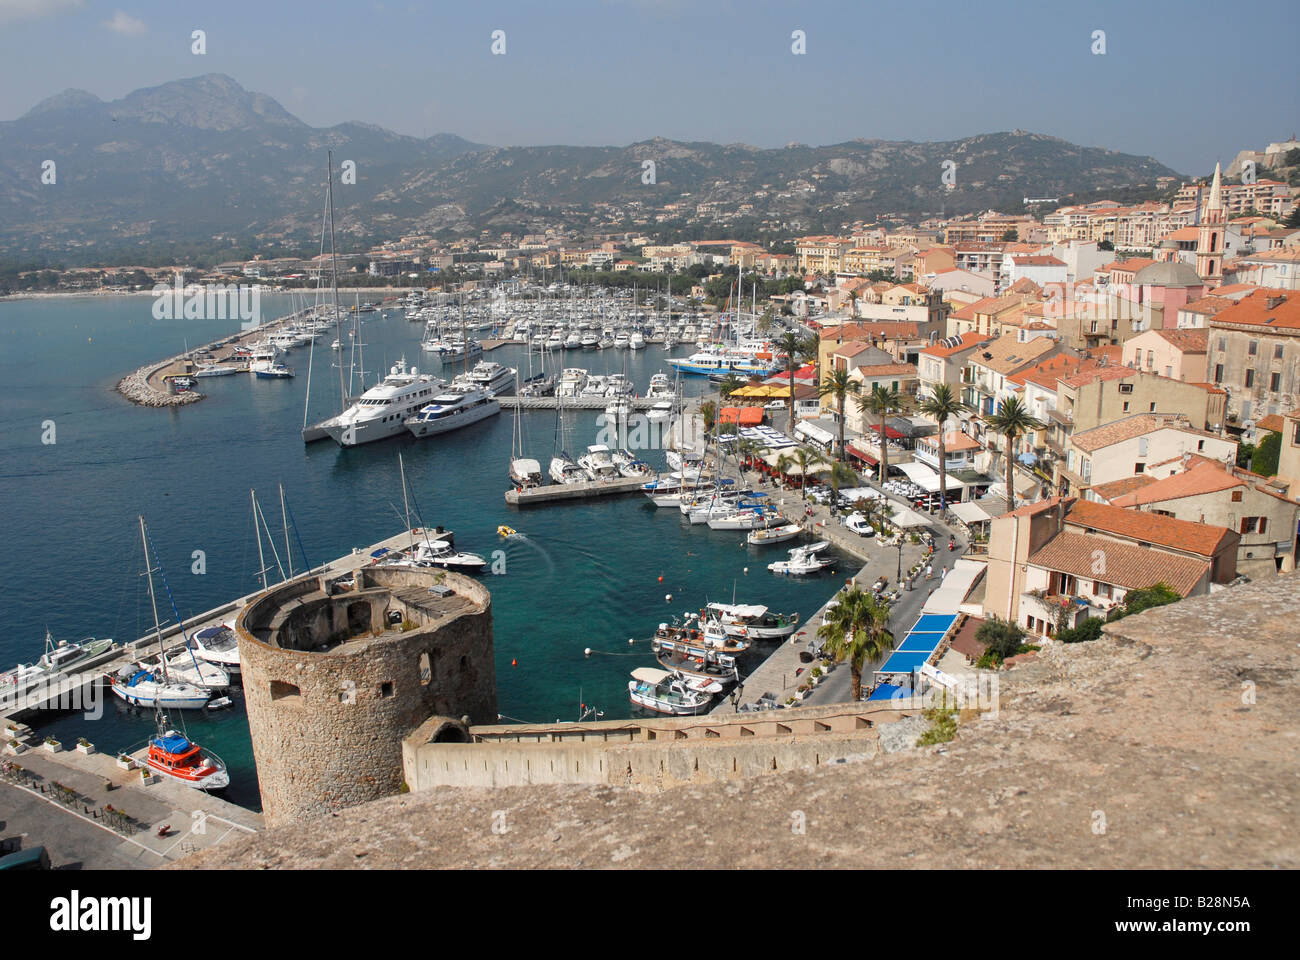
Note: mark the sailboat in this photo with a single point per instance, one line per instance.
(524, 471)
(143, 687)
(564, 469)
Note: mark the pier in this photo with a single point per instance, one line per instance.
(63, 689)
(575, 403)
(574, 491)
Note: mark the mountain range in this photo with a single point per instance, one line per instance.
(202, 158)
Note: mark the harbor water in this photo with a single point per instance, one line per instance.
(78, 463)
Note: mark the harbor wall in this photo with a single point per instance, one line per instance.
(671, 753)
(327, 727)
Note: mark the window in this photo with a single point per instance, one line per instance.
(1200, 445)
(1169, 372)
(1126, 406)
(1236, 496)
(1250, 378)
(1295, 435)
(1139, 468)
(283, 691)
(1152, 406)
(1126, 388)
(1249, 524)
(1253, 348)
(1218, 373)
(1223, 344)
(1275, 382)
(386, 689)
(1142, 446)
(1277, 352)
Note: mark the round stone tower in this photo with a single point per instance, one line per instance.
(337, 673)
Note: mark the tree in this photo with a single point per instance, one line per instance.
(1105, 245)
(840, 473)
(1266, 455)
(730, 385)
(878, 403)
(857, 630)
(839, 384)
(1013, 420)
(795, 349)
(709, 412)
(1135, 601)
(1001, 638)
(803, 458)
(1090, 629)
(942, 405)
(1010, 235)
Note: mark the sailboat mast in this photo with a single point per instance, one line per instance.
(153, 599)
(284, 518)
(261, 559)
(334, 279)
(406, 503)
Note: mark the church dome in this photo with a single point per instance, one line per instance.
(1172, 273)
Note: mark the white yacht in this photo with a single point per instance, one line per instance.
(382, 411)
(803, 560)
(564, 469)
(661, 412)
(494, 378)
(453, 409)
(572, 381)
(440, 553)
(217, 645)
(598, 463)
(636, 341)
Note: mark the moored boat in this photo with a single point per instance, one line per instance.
(663, 692)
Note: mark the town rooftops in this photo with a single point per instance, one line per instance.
(1137, 425)
(1200, 539)
(1006, 354)
(1118, 488)
(1267, 308)
(1126, 565)
(947, 348)
(1188, 341)
(1035, 260)
(1204, 477)
(864, 331)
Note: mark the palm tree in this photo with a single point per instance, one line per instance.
(879, 402)
(841, 472)
(789, 345)
(839, 384)
(803, 458)
(730, 385)
(857, 630)
(709, 411)
(1013, 420)
(942, 405)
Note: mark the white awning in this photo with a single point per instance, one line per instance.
(969, 512)
(927, 479)
(810, 431)
(650, 675)
(904, 518)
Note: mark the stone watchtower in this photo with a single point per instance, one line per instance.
(336, 675)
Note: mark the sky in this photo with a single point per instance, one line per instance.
(1179, 81)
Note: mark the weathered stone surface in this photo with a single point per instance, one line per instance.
(1142, 749)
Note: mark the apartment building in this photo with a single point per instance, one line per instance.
(1254, 353)
(1176, 354)
(1129, 446)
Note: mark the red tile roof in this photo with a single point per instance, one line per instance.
(1201, 539)
(1122, 564)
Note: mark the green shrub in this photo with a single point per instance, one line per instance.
(943, 724)
(1264, 459)
(1090, 629)
(1000, 638)
(1135, 601)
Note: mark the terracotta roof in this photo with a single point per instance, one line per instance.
(1201, 539)
(865, 331)
(955, 442)
(1255, 310)
(1188, 341)
(869, 371)
(1208, 305)
(1046, 373)
(1006, 354)
(1137, 425)
(1118, 488)
(1126, 565)
(1029, 260)
(1116, 372)
(851, 349)
(1273, 423)
(1205, 477)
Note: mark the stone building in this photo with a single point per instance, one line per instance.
(1254, 353)
(336, 674)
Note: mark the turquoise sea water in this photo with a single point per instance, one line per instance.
(585, 574)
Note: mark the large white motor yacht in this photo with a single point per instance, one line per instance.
(382, 411)
(453, 409)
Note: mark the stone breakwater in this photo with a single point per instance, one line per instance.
(136, 388)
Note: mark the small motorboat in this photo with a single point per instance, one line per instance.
(803, 560)
(504, 531)
(220, 703)
(778, 533)
(665, 692)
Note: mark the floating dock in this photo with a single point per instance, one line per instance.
(557, 492)
(574, 403)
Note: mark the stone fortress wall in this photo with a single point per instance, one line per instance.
(336, 675)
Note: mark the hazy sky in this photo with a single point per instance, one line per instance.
(1180, 81)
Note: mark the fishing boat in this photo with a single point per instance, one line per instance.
(708, 633)
(803, 560)
(217, 645)
(695, 659)
(178, 758)
(753, 621)
(663, 692)
(777, 533)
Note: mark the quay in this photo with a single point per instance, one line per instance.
(574, 491)
(572, 403)
(69, 687)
